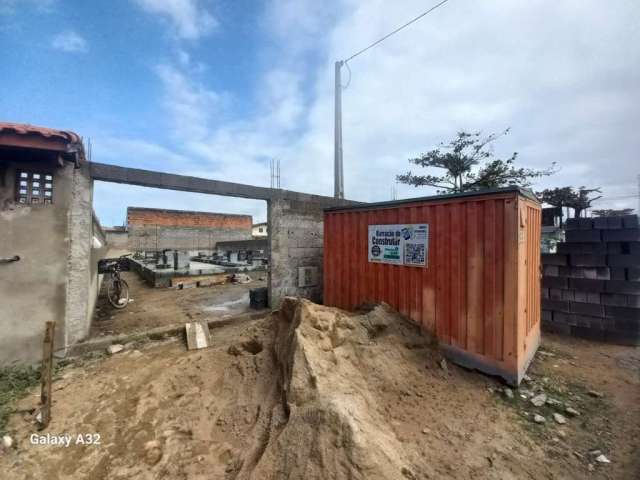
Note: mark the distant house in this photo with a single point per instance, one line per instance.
(259, 230)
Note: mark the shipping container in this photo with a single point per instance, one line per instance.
(465, 267)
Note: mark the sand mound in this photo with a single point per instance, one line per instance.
(332, 426)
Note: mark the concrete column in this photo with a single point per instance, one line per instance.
(80, 221)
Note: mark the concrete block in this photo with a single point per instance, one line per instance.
(633, 301)
(567, 295)
(600, 222)
(581, 248)
(593, 297)
(633, 274)
(555, 293)
(587, 285)
(591, 309)
(555, 282)
(623, 338)
(556, 305)
(589, 333)
(554, 259)
(579, 296)
(618, 273)
(544, 293)
(629, 260)
(565, 272)
(614, 222)
(628, 325)
(624, 235)
(551, 270)
(614, 299)
(586, 236)
(583, 260)
(585, 223)
(563, 318)
(614, 248)
(630, 221)
(622, 313)
(572, 224)
(546, 315)
(557, 328)
(621, 286)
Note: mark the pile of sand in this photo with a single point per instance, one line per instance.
(310, 392)
(333, 426)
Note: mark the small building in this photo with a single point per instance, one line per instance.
(259, 230)
(50, 241)
(155, 230)
(465, 267)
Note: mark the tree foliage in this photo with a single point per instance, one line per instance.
(612, 212)
(578, 199)
(469, 166)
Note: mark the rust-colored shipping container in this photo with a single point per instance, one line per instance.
(466, 267)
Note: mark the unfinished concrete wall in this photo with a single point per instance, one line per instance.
(33, 290)
(80, 296)
(117, 238)
(296, 231)
(159, 229)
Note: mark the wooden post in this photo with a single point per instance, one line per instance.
(46, 374)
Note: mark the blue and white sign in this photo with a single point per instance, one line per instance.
(404, 244)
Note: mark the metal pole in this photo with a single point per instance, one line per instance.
(338, 175)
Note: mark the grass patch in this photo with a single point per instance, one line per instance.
(15, 382)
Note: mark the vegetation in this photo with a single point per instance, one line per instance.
(613, 212)
(469, 165)
(14, 384)
(577, 199)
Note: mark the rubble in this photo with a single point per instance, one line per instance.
(7, 441)
(115, 348)
(539, 418)
(539, 400)
(560, 419)
(572, 412)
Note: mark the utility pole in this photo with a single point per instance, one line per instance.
(337, 147)
(338, 180)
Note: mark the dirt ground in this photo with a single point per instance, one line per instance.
(316, 393)
(156, 307)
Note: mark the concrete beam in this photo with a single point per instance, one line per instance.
(170, 181)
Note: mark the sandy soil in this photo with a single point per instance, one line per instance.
(315, 393)
(156, 307)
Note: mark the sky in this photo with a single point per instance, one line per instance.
(217, 88)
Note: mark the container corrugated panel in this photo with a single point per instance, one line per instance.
(480, 291)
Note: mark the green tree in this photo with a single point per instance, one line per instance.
(578, 199)
(469, 165)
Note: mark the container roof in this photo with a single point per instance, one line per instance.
(525, 192)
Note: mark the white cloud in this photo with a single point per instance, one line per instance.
(189, 19)
(564, 76)
(69, 41)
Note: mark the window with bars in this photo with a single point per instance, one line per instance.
(35, 187)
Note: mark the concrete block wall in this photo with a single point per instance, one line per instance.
(296, 239)
(158, 229)
(591, 286)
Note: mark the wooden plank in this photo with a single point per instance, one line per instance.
(511, 306)
(198, 335)
(46, 374)
(458, 330)
(499, 279)
(428, 286)
(489, 283)
(443, 266)
(473, 278)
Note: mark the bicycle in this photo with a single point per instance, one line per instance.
(117, 288)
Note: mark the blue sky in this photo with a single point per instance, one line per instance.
(217, 88)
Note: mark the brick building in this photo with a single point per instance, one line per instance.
(152, 229)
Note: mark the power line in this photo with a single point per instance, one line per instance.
(395, 31)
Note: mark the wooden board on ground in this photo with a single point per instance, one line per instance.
(200, 280)
(197, 335)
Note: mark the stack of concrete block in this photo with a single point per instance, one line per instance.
(591, 286)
